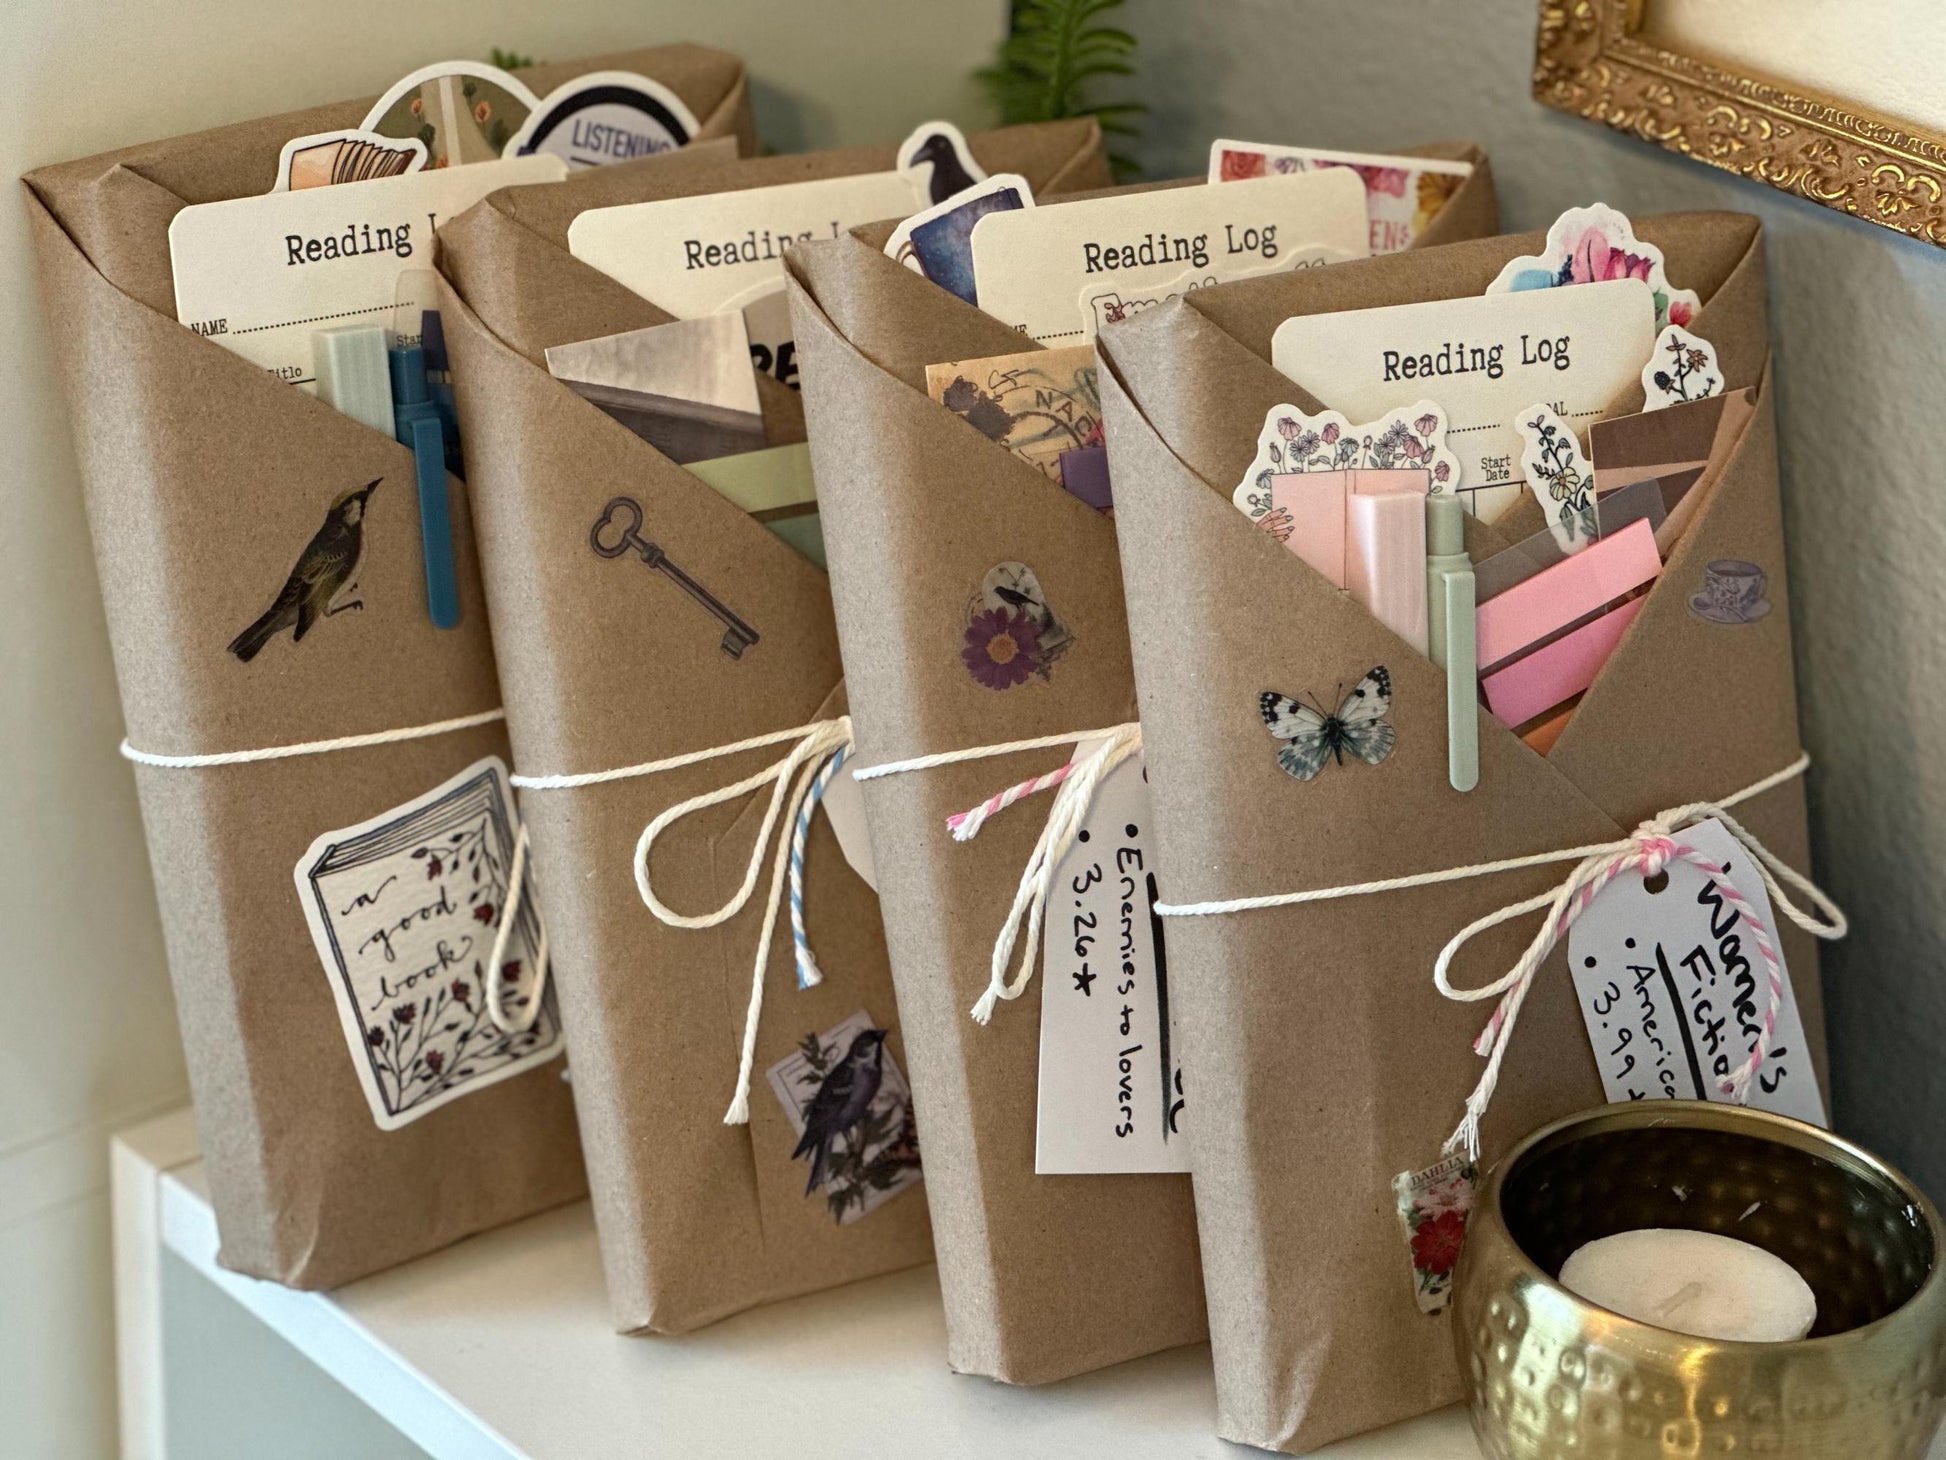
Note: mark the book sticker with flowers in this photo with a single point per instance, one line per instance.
(1591, 246)
(1411, 438)
(1011, 634)
(1433, 1206)
(403, 909)
(1683, 368)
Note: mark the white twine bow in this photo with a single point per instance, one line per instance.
(1648, 849)
(800, 779)
(1076, 780)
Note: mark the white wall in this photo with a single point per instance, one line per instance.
(91, 1043)
(1858, 315)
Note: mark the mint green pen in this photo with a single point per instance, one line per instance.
(1449, 639)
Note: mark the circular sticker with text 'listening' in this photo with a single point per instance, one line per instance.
(604, 117)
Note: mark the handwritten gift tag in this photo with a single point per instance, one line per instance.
(1672, 986)
(1111, 1096)
(403, 910)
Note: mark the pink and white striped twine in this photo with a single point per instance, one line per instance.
(965, 825)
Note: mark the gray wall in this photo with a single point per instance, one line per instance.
(1858, 316)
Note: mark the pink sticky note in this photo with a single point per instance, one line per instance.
(1371, 481)
(1315, 501)
(1385, 560)
(1573, 588)
(1558, 671)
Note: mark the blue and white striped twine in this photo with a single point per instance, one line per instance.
(808, 975)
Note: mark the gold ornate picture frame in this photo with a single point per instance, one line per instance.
(1591, 61)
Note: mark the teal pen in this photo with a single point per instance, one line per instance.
(416, 424)
(1449, 638)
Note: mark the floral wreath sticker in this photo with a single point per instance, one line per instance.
(1560, 476)
(1411, 437)
(1433, 1206)
(1682, 367)
(1593, 245)
(1011, 634)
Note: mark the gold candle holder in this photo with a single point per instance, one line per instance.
(1550, 1375)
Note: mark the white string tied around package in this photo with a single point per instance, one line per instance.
(1648, 850)
(798, 781)
(1074, 786)
(495, 990)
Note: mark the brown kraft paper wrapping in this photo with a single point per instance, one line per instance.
(605, 663)
(1044, 1276)
(220, 474)
(1325, 1059)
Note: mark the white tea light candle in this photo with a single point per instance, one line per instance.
(1696, 1283)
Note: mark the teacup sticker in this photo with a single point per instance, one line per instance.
(1733, 593)
(1011, 634)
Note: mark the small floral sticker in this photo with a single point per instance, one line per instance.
(1682, 368)
(1433, 1207)
(1560, 476)
(1411, 438)
(1011, 635)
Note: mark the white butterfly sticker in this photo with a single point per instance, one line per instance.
(1315, 738)
(1681, 368)
(1411, 437)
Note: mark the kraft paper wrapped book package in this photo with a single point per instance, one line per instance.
(605, 663)
(222, 474)
(1044, 1276)
(1320, 1022)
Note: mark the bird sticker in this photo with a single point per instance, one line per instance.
(852, 1110)
(1313, 737)
(941, 149)
(326, 571)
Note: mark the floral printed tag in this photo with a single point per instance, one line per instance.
(1412, 437)
(851, 1108)
(1434, 1205)
(1560, 476)
(1591, 246)
(1683, 368)
(1011, 634)
(403, 909)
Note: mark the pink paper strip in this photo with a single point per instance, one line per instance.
(1315, 501)
(1385, 560)
(1372, 481)
(1550, 600)
(1559, 671)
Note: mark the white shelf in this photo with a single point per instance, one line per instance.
(500, 1349)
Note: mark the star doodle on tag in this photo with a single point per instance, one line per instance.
(1560, 476)
(1682, 368)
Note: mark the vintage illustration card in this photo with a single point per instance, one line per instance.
(258, 274)
(1484, 359)
(851, 1108)
(1042, 405)
(1402, 194)
(1031, 265)
(403, 908)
